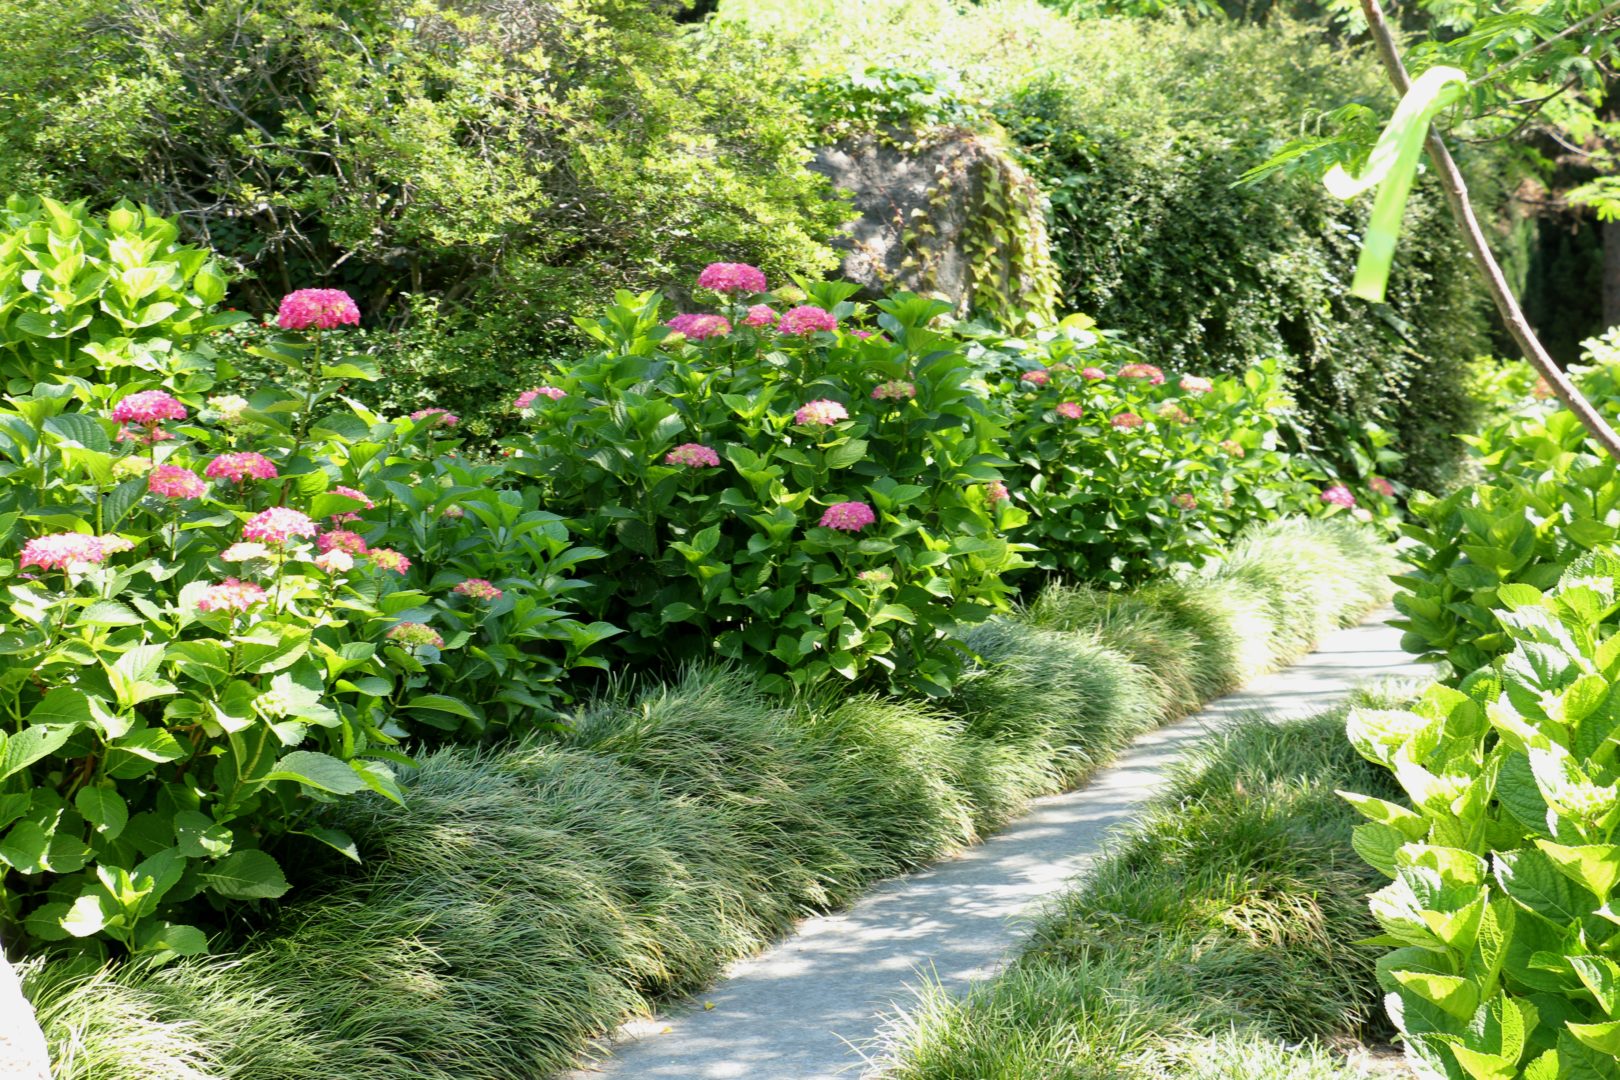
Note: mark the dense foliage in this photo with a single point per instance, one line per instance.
(226, 611)
(904, 470)
(1140, 159)
(495, 166)
(1505, 861)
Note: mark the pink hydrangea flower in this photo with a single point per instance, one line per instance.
(148, 408)
(175, 482)
(324, 309)
(806, 319)
(995, 492)
(881, 575)
(415, 635)
(62, 551)
(389, 559)
(822, 411)
(446, 417)
(230, 595)
(1382, 486)
(238, 467)
(759, 315)
(894, 390)
(1093, 373)
(1174, 413)
(692, 455)
(1196, 384)
(335, 561)
(698, 327)
(848, 516)
(1185, 500)
(1070, 410)
(454, 512)
(1126, 420)
(1338, 495)
(529, 397)
(341, 540)
(277, 525)
(1233, 448)
(1142, 371)
(1038, 377)
(732, 278)
(478, 589)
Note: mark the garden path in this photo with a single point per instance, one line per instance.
(802, 1009)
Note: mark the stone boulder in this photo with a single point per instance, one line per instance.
(948, 213)
(23, 1054)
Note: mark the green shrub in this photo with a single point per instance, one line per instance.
(509, 163)
(1132, 128)
(215, 627)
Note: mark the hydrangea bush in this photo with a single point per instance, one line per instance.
(222, 613)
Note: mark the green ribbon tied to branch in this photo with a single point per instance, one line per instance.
(1390, 168)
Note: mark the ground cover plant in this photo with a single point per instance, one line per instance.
(1218, 938)
(530, 895)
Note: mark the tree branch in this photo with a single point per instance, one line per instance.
(1451, 181)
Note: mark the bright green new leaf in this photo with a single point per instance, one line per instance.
(1391, 168)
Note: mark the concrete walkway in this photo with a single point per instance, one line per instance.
(799, 1010)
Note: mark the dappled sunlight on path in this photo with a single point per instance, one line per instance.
(798, 1010)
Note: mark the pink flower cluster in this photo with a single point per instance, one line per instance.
(732, 278)
(1185, 500)
(805, 320)
(848, 516)
(415, 635)
(894, 390)
(995, 492)
(175, 482)
(1070, 410)
(148, 408)
(277, 525)
(1036, 378)
(1142, 371)
(1382, 486)
(1338, 495)
(1174, 413)
(238, 467)
(230, 595)
(1196, 384)
(341, 540)
(61, 551)
(446, 417)
(529, 397)
(1126, 420)
(1093, 373)
(822, 411)
(693, 455)
(1233, 448)
(759, 315)
(478, 589)
(389, 559)
(324, 309)
(698, 327)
